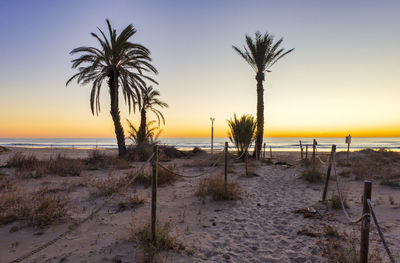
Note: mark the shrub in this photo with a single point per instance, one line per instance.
(108, 186)
(4, 149)
(312, 176)
(164, 241)
(36, 208)
(64, 166)
(20, 161)
(99, 160)
(389, 182)
(140, 152)
(242, 132)
(335, 203)
(215, 187)
(197, 150)
(167, 176)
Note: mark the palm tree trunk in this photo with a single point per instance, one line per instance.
(260, 114)
(119, 131)
(142, 128)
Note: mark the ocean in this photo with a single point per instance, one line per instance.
(281, 144)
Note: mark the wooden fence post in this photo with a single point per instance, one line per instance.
(365, 222)
(307, 151)
(328, 173)
(313, 154)
(154, 195)
(301, 151)
(226, 165)
(270, 152)
(264, 151)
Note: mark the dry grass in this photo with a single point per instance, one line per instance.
(28, 166)
(312, 176)
(37, 208)
(334, 201)
(129, 202)
(164, 241)
(215, 187)
(4, 149)
(109, 185)
(98, 160)
(165, 177)
(344, 248)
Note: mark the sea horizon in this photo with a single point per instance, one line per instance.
(188, 143)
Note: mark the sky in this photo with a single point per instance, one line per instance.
(343, 76)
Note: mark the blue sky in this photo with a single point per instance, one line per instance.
(343, 76)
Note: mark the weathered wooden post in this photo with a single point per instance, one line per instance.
(328, 173)
(301, 151)
(314, 146)
(365, 222)
(264, 151)
(154, 194)
(226, 165)
(307, 151)
(348, 141)
(270, 152)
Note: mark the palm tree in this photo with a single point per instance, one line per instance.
(122, 63)
(261, 54)
(149, 102)
(242, 132)
(149, 135)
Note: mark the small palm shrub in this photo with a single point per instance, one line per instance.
(242, 132)
(147, 136)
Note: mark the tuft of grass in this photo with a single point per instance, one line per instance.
(197, 150)
(129, 202)
(4, 149)
(36, 208)
(28, 166)
(389, 182)
(164, 241)
(334, 202)
(63, 166)
(391, 200)
(167, 177)
(108, 186)
(312, 176)
(98, 160)
(215, 187)
(344, 248)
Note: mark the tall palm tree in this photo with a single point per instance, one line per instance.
(149, 102)
(261, 54)
(122, 63)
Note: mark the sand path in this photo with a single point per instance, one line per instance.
(262, 227)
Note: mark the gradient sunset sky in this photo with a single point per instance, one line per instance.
(343, 77)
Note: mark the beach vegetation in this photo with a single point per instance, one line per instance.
(39, 208)
(4, 149)
(312, 176)
(122, 63)
(214, 186)
(261, 53)
(108, 186)
(164, 240)
(98, 159)
(148, 101)
(242, 133)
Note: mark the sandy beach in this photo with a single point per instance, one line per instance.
(261, 226)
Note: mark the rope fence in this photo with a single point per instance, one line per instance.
(367, 211)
